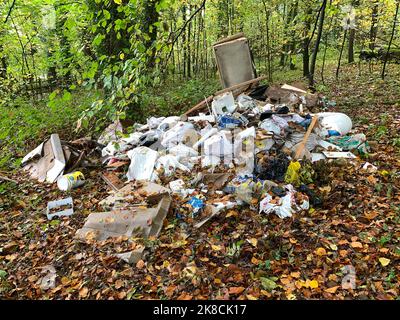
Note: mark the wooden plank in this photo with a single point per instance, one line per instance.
(238, 88)
(227, 39)
(240, 85)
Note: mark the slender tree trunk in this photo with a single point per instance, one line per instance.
(306, 44)
(373, 31)
(189, 47)
(269, 62)
(3, 62)
(317, 43)
(341, 53)
(391, 40)
(352, 36)
(292, 43)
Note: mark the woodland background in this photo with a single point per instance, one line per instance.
(97, 60)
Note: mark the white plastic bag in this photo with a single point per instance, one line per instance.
(335, 121)
(142, 164)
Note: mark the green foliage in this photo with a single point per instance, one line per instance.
(26, 122)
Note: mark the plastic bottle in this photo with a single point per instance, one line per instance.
(70, 181)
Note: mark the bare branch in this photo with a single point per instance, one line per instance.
(10, 10)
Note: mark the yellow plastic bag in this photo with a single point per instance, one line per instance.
(292, 173)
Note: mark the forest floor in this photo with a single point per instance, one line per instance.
(298, 258)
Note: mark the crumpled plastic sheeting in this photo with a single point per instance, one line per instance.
(154, 122)
(285, 206)
(246, 103)
(168, 123)
(298, 137)
(244, 151)
(275, 124)
(222, 104)
(170, 163)
(218, 149)
(142, 164)
(182, 151)
(121, 145)
(178, 134)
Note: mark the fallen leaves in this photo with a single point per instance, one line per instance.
(253, 242)
(332, 289)
(83, 293)
(384, 261)
(236, 290)
(356, 245)
(320, 251)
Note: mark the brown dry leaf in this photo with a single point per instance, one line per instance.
(253, 242)
(216, 247)
(185, 296)
(231, 213)
(169, 291)
(65, 281)
(320, 251)
(343, 253)
(236, 290)
(332, 289)
(295, 274)
(83, 292)
(119, 284)
(140, 264)
(356, 244)
(371, 179)
(371, 215)
(255, 261)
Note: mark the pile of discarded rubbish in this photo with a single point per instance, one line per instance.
(238, 148)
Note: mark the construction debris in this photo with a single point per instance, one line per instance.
(66, 205)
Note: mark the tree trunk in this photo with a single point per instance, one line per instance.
(3, 62)
(306, 44)
(391, 40)
(352, 35)
(317, 42)
(374, 30)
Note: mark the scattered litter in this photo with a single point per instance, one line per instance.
(337, 155)
(49, 280)
(196, 204)
(337, 124)
(65, 207)
(71, 181)
(223, 104)
(283, 206)
(132, 257)
(369, 167)
(350, 143)
(137, 221)
(142, 164)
